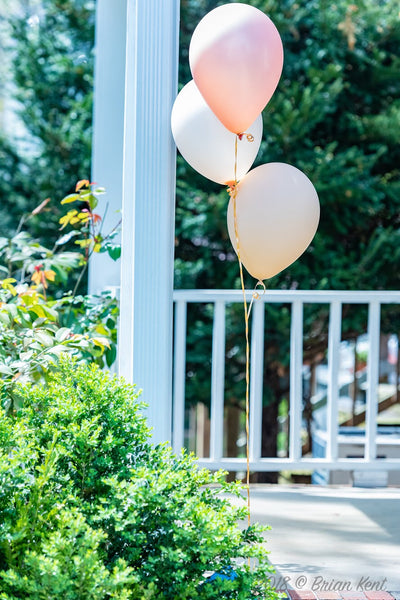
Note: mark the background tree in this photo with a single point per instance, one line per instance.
(51, 45)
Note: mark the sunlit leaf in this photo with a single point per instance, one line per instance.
(62, 334)
(82, 183)
(49, 274)
(57, 350)
(83, 243)
(5, 370)
(66, 238)
(101, 329)
(70, 198)
(68, 218)
(44, 338)
(38, 310)
(7, 284)
(101, 341)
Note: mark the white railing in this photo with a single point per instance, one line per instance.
(297, 299)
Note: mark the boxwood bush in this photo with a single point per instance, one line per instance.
(91, 510)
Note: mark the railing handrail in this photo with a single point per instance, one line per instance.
(289, 296)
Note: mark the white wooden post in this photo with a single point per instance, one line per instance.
(145, 334)
(108, 129)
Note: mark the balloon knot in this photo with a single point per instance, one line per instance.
(256, 294)
(231, 187)
(249, 137)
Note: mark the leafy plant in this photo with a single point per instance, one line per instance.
(91, 510)
(39, 317)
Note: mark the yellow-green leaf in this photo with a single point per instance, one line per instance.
(101, 341)
(70, 198)
(101, 329)
(83, 243)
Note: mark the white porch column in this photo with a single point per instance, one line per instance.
(108, 129)
(145, 338)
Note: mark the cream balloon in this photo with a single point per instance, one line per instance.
(236, 59)
(278, 212)
(205, 143)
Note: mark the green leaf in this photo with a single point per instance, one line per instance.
(93, 202)
(44, 338)
(111, 355)
(114, 252)
(101, 329)
(50, 313)
(67, 237)
(70, 198)
(57, 350)
(5, 318)
(62, 334)
(38, 310)
(102, 342)
(5, 370)
(11, 309)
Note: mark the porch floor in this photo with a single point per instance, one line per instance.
(332, 538)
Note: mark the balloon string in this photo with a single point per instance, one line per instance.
(256, 295)
(233, 194)
(232, 189)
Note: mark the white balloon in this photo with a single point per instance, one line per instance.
(278, 212)
(205, 143)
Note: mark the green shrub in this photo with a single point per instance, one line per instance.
(90, 509)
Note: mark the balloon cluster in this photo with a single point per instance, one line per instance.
(236, 60)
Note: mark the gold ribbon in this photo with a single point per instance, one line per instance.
(232, 190)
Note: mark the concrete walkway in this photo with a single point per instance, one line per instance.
(331, 536)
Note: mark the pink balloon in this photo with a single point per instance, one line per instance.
(236, 59)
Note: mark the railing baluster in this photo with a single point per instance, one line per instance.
(335, 334)
(179, 376)
(217, 382)
(331, 461)
(374, 326)
(296, 380)
(256, 379)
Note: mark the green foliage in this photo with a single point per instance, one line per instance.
(40, 318)
(91, 510)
